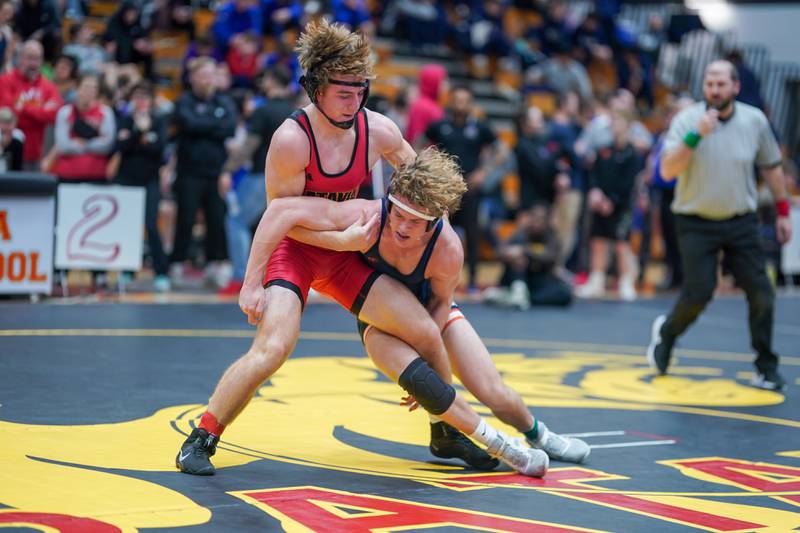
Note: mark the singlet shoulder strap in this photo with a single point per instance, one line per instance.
(363, 125)
(299, 116)
(426, 255)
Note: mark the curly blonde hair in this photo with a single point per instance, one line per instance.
(325, 49)
(432, 181)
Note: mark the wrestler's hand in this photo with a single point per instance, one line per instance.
(708, 122)
(410, 402)
(252, 301)
(596, 198)
(361, 234)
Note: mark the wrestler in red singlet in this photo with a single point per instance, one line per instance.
(344, 276)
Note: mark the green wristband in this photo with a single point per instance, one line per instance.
(691, 139)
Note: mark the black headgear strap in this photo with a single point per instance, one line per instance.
(311, 82)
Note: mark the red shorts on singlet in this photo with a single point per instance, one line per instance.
(344, 276)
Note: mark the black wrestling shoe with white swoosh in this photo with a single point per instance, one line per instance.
(195, 452)
(449, 443)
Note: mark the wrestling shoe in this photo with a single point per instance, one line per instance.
(560, 448)
(526, 461)
(195, 452)
(449, 443)
(768, 380)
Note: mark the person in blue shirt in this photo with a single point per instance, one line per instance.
(235, 18)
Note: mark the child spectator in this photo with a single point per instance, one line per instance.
(243, 59)
(12, 141)
(85, 48)
(65, 76)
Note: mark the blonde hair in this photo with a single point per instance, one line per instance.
(432, 181)
(199, 62)
(325, 49)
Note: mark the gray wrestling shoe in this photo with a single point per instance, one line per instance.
(560, 448)
(526, 461)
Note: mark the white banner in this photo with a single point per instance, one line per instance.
(99, 227)
(790, 255)
(26, 244)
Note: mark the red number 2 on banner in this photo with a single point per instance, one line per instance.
(98, 210)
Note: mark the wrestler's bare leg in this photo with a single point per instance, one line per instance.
(275, 339)
(474, 367)
(393, 356)
(390, 307)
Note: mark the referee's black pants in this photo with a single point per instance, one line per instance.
(700, 241)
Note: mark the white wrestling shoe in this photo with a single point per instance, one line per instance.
(560, 448)
(526, 461)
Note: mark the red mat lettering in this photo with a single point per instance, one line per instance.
(746, 474)
(570, 478)
(324, 510)
(61, 522)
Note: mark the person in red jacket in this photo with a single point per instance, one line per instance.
(426, 108)
(33, 98)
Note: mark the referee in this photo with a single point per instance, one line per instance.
(713, 148)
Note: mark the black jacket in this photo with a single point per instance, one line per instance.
(614, 172)
(201, 129)
(142, 152)
(44, 15)
(124, 35)
(537, 170)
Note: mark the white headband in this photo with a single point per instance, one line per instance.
(408, 209)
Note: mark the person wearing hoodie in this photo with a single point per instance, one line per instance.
(127, 39)
(38, 20)
(426, 109)
(34, 99)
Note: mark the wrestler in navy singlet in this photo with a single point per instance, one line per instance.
(415, 281)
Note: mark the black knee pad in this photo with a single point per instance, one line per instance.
(424, 384)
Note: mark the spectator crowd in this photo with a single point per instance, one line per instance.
(571, 197)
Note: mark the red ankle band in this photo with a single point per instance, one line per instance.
(210, 423)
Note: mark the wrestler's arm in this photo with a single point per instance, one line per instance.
(349, 226)
(444, 270)
(389, 141)
(284, 173)
(317, 214)
(386, 136)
